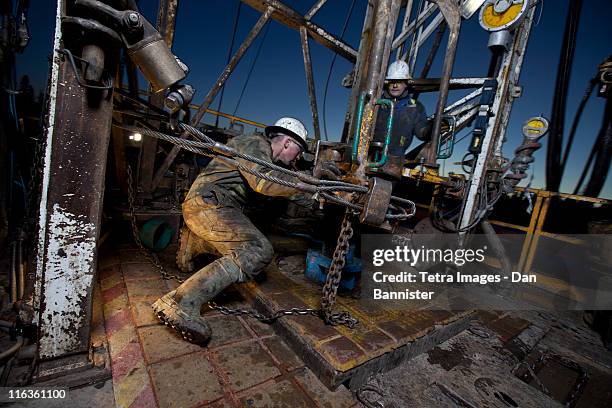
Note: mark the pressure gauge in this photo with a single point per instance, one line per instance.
(496, 15)
(535, 128)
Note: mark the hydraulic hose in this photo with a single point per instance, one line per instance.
(557, 117)
(570, 140)
(603, 157)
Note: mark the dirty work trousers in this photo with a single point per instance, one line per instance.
(217, 219)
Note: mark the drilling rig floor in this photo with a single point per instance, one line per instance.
(336, 354)
(245, 364)
(395, 358)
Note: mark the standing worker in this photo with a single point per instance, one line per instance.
(213, 216)
(409, 119)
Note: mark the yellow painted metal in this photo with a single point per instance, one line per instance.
(426, 174)
(576, 197)
(231, 117)
(530, 231)
(509, 225)
(561, 237)
(537, 233)
(494, 20)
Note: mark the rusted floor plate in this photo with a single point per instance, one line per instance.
(381, 341)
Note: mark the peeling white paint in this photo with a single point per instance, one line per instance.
(42, 221)
(68, 277)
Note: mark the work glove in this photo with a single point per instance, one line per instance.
(329, 171)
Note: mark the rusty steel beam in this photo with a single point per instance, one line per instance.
(350, 122)
(118, 141)
(405, 24)
(312, 96)
(383, 23)
(393, 17)
(292, 19)
(76, 133)
(450, 11)
(314, 9)
(166, 22)
(418, 22)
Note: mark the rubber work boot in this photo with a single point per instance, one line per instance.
(180, 309)
(190, 246)
(393, 167)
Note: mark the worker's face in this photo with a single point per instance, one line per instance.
(286, 152)
(396, 88)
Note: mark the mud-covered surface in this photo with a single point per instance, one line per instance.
(518, 359)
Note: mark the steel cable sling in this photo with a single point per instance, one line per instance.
(208, 147)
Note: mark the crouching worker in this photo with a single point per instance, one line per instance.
(213, 214)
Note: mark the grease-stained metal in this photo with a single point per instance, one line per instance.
(312, 96)
(71, 209)
(166, 22)
(292, 19)
(450, 11)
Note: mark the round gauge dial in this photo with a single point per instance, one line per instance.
(535, 128)
(496, 15)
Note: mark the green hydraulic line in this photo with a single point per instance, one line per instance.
(391, 106)
(360, 107)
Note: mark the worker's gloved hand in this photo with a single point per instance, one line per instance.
(330, 171)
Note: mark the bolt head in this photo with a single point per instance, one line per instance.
(133, 18)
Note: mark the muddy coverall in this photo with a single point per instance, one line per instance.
(409, 119)
(213, 207)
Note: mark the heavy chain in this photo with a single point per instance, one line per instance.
(263, 318)
(330, 289)
(150, 256)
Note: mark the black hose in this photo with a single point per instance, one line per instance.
(587, 166)
(603, 157)
(570, 140)
(555, 138)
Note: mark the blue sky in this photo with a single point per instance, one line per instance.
(278, 85)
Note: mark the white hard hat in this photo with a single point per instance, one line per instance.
(291, 127)
(398, 70)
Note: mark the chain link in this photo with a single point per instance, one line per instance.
(150, 256)
(263, 318)
(330, 289)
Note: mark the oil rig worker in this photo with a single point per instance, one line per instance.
(213, 214)
(409, 118)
